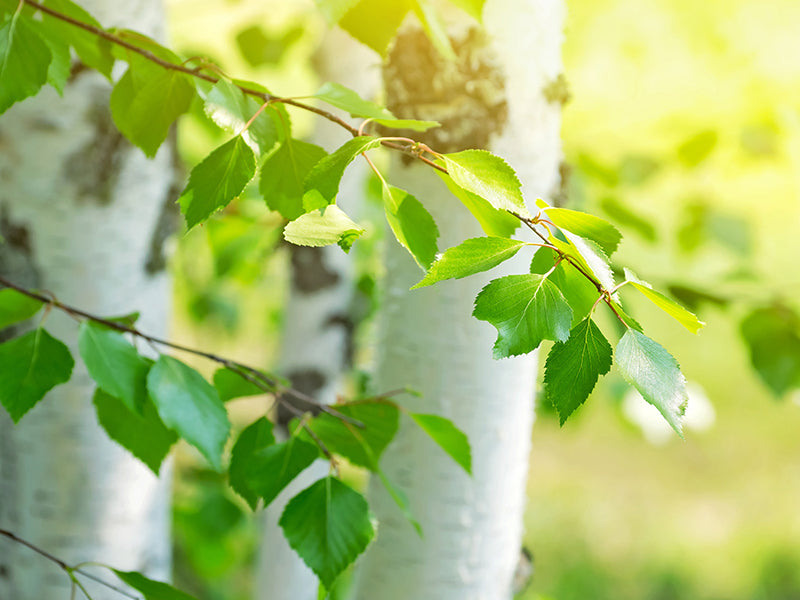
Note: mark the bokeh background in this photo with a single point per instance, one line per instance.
(683, 128)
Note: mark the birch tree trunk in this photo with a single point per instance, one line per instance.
(318, 323)
(494, 97)
(84, 215)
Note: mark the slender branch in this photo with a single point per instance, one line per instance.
(71, 571)
(255, 376)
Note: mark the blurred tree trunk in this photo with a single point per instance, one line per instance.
(494, 96)
(318, 322)
(84, 215)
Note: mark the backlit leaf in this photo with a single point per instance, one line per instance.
(93, 51)
(580, 293)
(451, 439)
(324, 178)
(283, 174)
(333, 226)
(30, 366)
(220, 178)
(469, 257)
(648, 367)
(375, 22)
(141, 433)
(189, 405)
(412, 225)
(328, 524)
(573, 367)
(600, 231)
(16, 307)
(24, 60)
(494, 222)
(672, 308)
(487, 176)
(525, 309)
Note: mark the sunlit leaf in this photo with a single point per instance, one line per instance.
(189, 405)
(332, 226)
(487, 176)
(573, 367)
(375, 22)
(434, 27)
(469, 257)
(283, 174)
(580, 292)
(324, 178)
(30, 366)
(600, 231)
(24, 60)
(16, 307)
(494, 222)
(672, 308)
(94, 52)
(648, 367)
(525, 309)
(328, 524)
(412, 225)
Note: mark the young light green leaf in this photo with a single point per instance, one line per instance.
(472, 7)
(152, 590)
(331, 226)
(16, 307)
(283, 174)
(487, 176)
(24, 60)
(600, 231)
(333, 10)
(434, 27)
(412, 225)
(625, 217)
(217, 180)
(144, 108)
(375, 22)
(114, 364)
(494, 222)
(361, 446)
(772, 336)
(588, 256)
(580, 293)
(189, 405)
(323, 179)
(648, 367)
(673, 309)
(451, 439)
(142, 433)
(93, 51)
(525, 309)
(30, 366)
(257, 436)
(573, 367)
(230, 385)
(469, 257)
(231, 109)
(269, 470)
(328, 524)
(342, 97)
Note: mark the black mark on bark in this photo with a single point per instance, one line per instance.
(308, 381)
(309, 271)
(557, 91)
(467, 96)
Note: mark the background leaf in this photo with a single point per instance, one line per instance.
(272, 468)
(189, 405)
(16, 307)
(230, 385)
(152, 590)
(772, 335)
(451, 439)
(328, 525)
(257, 436)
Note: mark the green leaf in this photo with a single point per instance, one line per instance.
(231, 109)
(114, 364)
(93, 51)
(144, 108)
(494, 222)
(374, 22)
(672, 308)
(189, 405)
(328, 524)
(401, 499)
(487, 176)
(573, 367)
(24, 61)
(141, 433)
(697, 148)
(600, 231)
(59, 70)
(269, 470)
(16, 307)
(580, 293)
(434, 28)
(648, 367)
(772, 336)
(324, 178)
(152, 590)
(412, 225)
(283, 174)
(525, 309)
(588, 256)
(230, 385)
(322, 228)
(255, 437)
(473, 7)
(451, 439)
(333, 10)
(30, 366)
(624, 216)
(469, 257)
(361, 446)
(220, 178)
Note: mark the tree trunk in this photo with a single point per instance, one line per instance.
(494, 97)
(318, 323)
(84, 215)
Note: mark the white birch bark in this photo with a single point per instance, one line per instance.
(82, 212)
(428, 340)
(318, 322)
